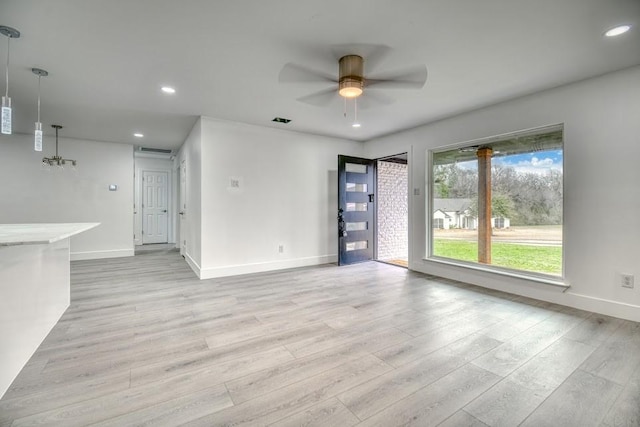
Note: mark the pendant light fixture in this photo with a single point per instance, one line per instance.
(37, 142)
(11, 33)
(57, 160)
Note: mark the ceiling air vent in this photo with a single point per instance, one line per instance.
(155, 150)
(281, 120)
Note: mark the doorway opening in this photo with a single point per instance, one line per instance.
(392, 210)
(373, 210)
(155, 183)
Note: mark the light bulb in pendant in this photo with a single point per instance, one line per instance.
(6, 115)
(38, 137)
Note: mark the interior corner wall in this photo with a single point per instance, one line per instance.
(30, 194)
(265, 188)
(601, 176)
(191, 154)
(156, 164)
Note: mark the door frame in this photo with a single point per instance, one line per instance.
(181, 220)
(153, 163)
(406, 155)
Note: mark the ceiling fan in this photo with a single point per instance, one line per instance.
(351, 81)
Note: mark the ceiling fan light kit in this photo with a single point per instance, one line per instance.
(351, 76)
(350, 81)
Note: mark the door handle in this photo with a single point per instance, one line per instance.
(181, 213)
(164, 211)
(341, 224)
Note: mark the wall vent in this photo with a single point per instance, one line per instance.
(155, 150)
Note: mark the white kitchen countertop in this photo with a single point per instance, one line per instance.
(37, 234)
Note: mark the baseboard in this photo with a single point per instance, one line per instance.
(532, 289)
(602, 306)
(113, 253)
(234, 270)
(193, 264)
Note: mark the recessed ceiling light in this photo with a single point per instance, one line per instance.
(616, 31)
(168, 89)
(356, 125)
(138, 135)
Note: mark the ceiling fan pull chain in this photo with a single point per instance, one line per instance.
(345, 108)
(355, 110)
(355, 123)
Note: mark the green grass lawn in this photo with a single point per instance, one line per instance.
(541, 259)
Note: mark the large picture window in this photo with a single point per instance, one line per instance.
(498, 202)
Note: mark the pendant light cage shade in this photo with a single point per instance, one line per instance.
(10, 33)
(37, 140)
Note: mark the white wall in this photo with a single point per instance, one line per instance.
(191, 154)
(602, 150)
(287, 196)
(148, 162)
(30, 195)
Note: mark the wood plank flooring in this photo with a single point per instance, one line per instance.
(147, 343)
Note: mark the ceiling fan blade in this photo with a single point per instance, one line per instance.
(373, 54)
(294, 73)
(320, 99)
(410, 78)
(370, 99)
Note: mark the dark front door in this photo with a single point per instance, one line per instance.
(355, 209)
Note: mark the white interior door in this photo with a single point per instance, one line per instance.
(155, 217)
(183, 208)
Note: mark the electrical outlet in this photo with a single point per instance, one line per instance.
(281, 249)
(626, 280)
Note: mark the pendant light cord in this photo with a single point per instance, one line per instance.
(39, 78)
(6, 93)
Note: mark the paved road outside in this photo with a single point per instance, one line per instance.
(548, 235)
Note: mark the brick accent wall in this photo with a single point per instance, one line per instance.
(393, 209)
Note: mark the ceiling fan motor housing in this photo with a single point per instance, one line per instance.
(351, 71)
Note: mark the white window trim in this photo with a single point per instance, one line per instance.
(552, 280)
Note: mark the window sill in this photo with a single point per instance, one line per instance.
(532, 277)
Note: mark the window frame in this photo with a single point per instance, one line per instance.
(551, 279)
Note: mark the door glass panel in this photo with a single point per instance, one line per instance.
(354, 167)
(356, 207)
(354, 246)
(356, 226)
(356, 188)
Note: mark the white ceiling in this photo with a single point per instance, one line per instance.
(107, 59)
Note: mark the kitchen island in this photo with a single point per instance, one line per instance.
(34, 289)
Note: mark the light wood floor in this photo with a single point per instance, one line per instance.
(146, 343)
